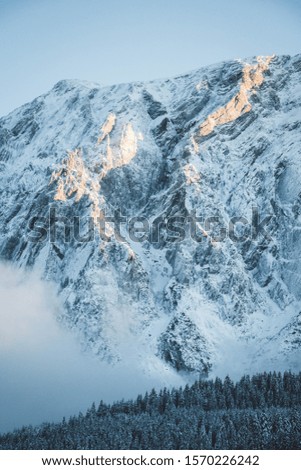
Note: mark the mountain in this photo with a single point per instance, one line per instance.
(167, 213)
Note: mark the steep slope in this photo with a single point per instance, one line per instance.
(221, 144)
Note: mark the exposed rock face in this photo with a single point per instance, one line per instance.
(183, 346)
(220, 143)
(252, 79)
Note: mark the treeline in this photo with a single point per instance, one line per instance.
(258, 412)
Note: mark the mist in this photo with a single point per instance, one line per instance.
(44, 375)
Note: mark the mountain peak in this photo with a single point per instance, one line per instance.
(66, 85)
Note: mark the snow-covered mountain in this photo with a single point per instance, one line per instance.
(221, 144)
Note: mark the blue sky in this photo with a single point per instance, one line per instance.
(113, 41)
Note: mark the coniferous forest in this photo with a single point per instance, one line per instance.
(258, 412)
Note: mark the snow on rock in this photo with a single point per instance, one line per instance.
(221, 142)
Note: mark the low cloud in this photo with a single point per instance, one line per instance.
(44, 374)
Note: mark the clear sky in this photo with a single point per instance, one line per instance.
(113, 41)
